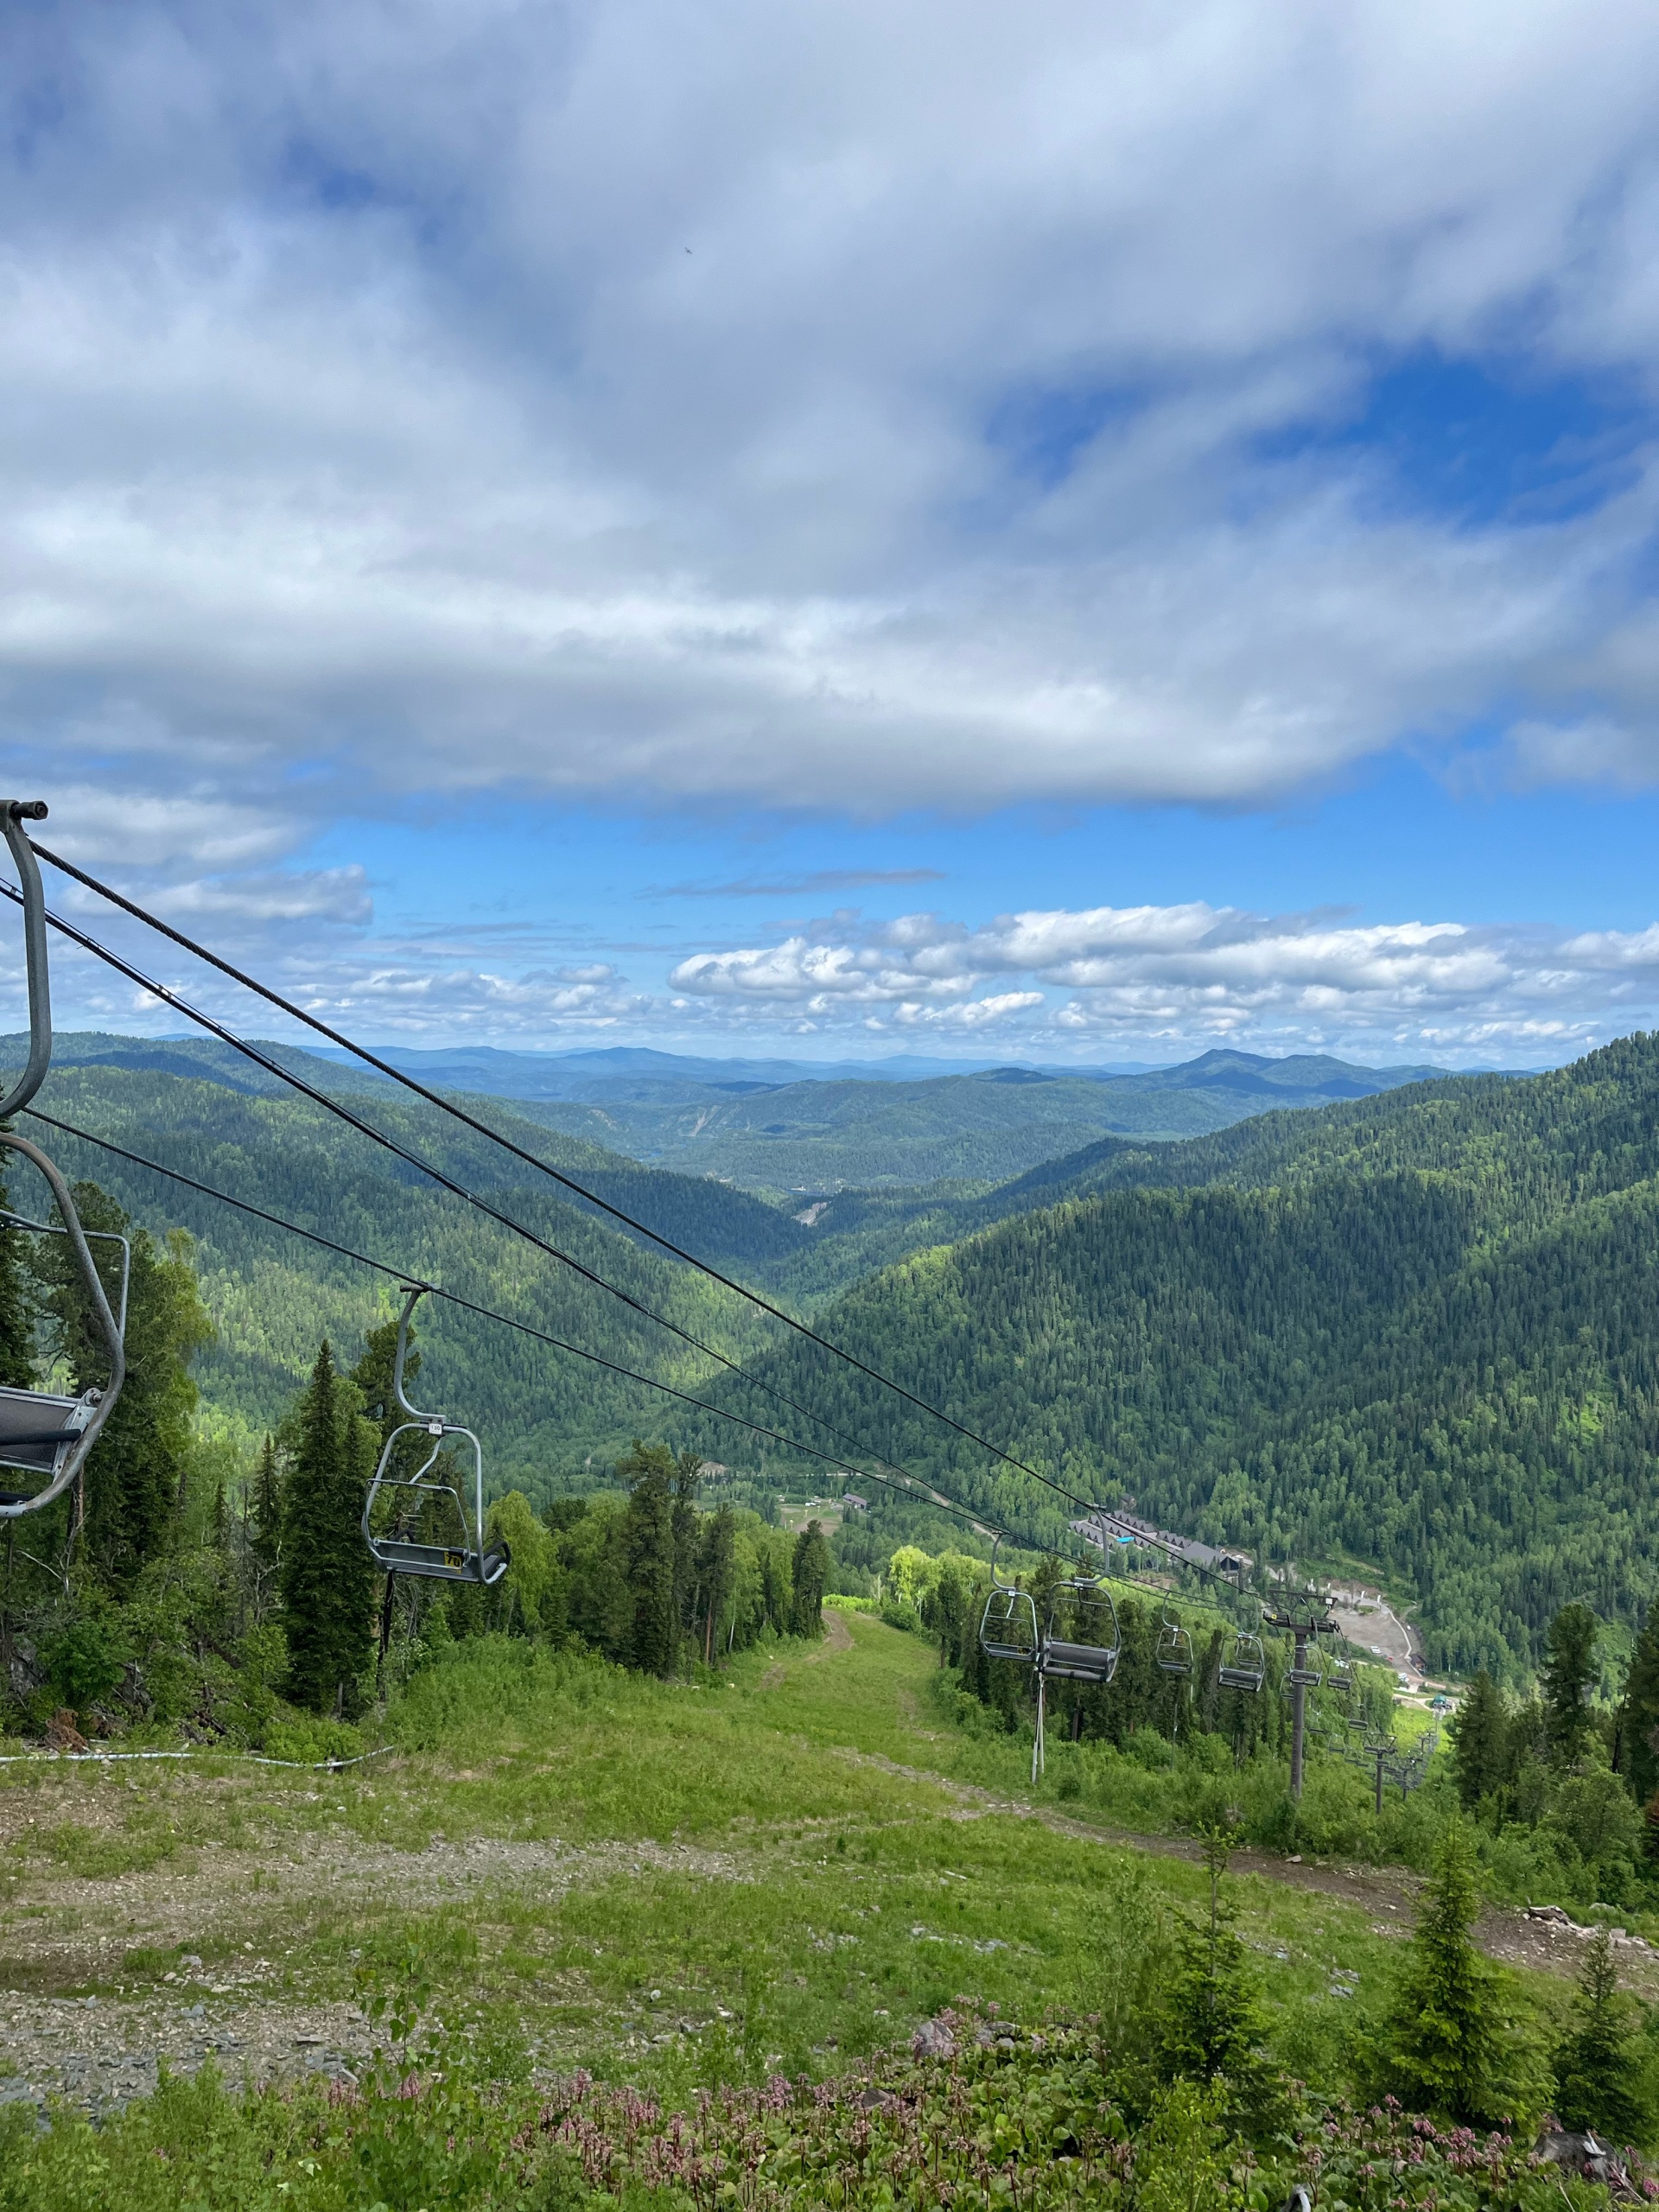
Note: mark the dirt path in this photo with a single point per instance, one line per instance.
(1389, 1893)
(837, 1637)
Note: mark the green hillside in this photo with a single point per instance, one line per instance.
(1419, 1329)
(272, 1296)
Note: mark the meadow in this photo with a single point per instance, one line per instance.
(781, 1872)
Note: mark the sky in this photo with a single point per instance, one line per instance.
(1068, 533)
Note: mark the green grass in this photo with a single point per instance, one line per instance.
(823, 1902)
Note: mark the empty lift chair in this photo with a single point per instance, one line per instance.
(1245, 1667)
(1174, 1651)
(1008, 1627)
(456, 1505)
(45, 1433)
(1081, 1643)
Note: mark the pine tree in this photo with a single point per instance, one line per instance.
(1639, 1713)
(1479, 1733)
(809, 1577)
(653, 1644)
(1598, 2065)
(1444, 2039)
(1569, 1675)
(326, 1572)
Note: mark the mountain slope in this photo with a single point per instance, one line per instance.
(1422, 1328)
(273, 1296)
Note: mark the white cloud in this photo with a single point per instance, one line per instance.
(1190, 973)
(636, 400)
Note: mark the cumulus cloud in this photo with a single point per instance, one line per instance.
(1194, 972)
(804, 407)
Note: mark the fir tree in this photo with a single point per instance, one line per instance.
(1569, 1675)
(1479, 1732)
(688, 1542)
(1639, 1713)
(717, 1573)
(1444, 2038)
(653, 1644)
(135, 1475)
(327, 1572)
(1598, 2065)
(1212, 2026)
(17, 1306)
(265, 1537)
(809, 1577)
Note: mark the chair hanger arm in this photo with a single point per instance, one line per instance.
(101, 1313)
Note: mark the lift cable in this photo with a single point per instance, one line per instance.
(917, 1492)
(445, 1181)
(543, 1166)
(173, 999)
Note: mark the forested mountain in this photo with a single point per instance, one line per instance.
(1414, 1327)
(273, 1296)
(1422, 1329)
(817, 1136)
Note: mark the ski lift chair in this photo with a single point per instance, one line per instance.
(1339, 1676)
(1173, 1649)
(46, 1434)
(1093, 1650)
(1008, 1627)
(1245, 1667)
(463, 1555)
(1306, 1678)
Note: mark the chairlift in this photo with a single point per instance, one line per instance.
(464, 1555)
(1245, 1667)
(1091, 1652)
(1008, 1627)
(1306, 1678)
(1173, 1649)
(47, 1433)
(1340, 1676)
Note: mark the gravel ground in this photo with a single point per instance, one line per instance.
(61, 1931)
(100, 2054)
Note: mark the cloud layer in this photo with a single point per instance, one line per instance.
(1172, 975)
(814, 408)
(1051, 985)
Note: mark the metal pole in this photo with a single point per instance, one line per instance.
(1298, 1713)
(1380, 1757)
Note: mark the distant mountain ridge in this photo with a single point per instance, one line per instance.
(805, 1138)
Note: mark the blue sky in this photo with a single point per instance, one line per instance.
(1071, 534)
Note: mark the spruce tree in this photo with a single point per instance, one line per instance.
(1212, 2027)
(809, 1577)
(717, 1573)
(1639, 1713)
(327, 1572)
(653, 1644)
(17, 1306)
(1444, 2039)
(688, 1543)
(1569, 1675)
(1598, 2065)
(135, 1475)
(1479, 1732)
(265, 1542)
